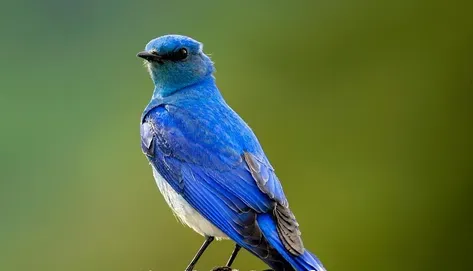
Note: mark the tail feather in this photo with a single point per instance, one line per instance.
(305, 262)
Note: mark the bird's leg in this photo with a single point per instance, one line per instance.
(230, 261)
(199, 253)
(233, 256)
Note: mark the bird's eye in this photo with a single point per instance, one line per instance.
(180, 54)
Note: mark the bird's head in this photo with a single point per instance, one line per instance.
(175, 62)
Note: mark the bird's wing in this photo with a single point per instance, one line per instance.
(227, 184)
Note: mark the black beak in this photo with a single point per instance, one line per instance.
(149, 56)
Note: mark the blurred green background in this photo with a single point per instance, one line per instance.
(364, 109)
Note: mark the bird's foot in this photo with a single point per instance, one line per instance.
(226, 268)
(222, 268)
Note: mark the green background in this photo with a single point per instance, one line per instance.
(364, 108)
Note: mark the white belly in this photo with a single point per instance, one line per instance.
(184, 212)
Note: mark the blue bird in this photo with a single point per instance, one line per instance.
(209, 165)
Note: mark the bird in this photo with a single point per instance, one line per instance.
(209, 165)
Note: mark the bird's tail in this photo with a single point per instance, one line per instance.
(305, 262)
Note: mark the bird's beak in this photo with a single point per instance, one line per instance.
(149, 56)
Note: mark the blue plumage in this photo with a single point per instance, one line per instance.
(212, 161)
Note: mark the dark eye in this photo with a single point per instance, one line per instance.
(180, 54)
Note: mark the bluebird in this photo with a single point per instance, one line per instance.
(208, 163)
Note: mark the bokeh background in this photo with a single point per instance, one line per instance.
(364, 109)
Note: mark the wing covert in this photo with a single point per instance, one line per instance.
(203, 162)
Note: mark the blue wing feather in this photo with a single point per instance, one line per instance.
(205, 151)
(182, 138)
